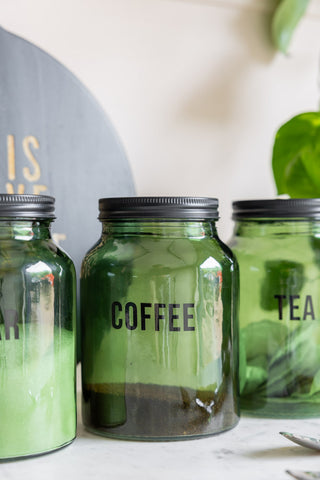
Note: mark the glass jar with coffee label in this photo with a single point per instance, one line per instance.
(158, 310)
(277, 244)
(37, 319)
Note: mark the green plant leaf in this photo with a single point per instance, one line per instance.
(296, 157)
(285, 19)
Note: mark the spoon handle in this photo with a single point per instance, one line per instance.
(303, 440)
(299, 475)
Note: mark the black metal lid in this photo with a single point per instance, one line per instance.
(193, 208)
(26, 206)
(284, 208)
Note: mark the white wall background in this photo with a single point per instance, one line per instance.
(194, 87)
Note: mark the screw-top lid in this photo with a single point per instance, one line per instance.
(26, 206)
(193, 208)
(284, 208)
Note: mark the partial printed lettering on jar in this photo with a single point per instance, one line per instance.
(11, 328)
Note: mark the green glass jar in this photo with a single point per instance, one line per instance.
(158, 309)
(277, 244)
(37, 342)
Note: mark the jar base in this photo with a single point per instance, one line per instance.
(140, 438)
(9, 458)
(156, 412)
(279, 408)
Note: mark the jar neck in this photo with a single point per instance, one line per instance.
(160, 228)
(279, 226)
(24, 229)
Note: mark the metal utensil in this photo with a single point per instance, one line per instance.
(303, 440)
(299, 475)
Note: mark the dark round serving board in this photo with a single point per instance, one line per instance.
(55, 139)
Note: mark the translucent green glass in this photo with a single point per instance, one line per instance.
(279, 264)
(160, 342)
(37, 343)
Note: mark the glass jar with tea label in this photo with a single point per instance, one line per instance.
(277, 244)
(37, 318)
(158, 309)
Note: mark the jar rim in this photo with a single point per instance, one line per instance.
(276, 208)
(192, 208)
(27, 206)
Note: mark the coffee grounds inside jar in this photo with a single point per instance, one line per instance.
(155, 411)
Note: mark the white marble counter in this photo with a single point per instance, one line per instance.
(252, 450)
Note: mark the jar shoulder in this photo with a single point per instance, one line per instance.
(173, 251)
(275, 246)
(18, 254)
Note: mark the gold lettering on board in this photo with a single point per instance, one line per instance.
(27, 141)
(11, 157)
(59, 237)
(9, 188)
(37, 189)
